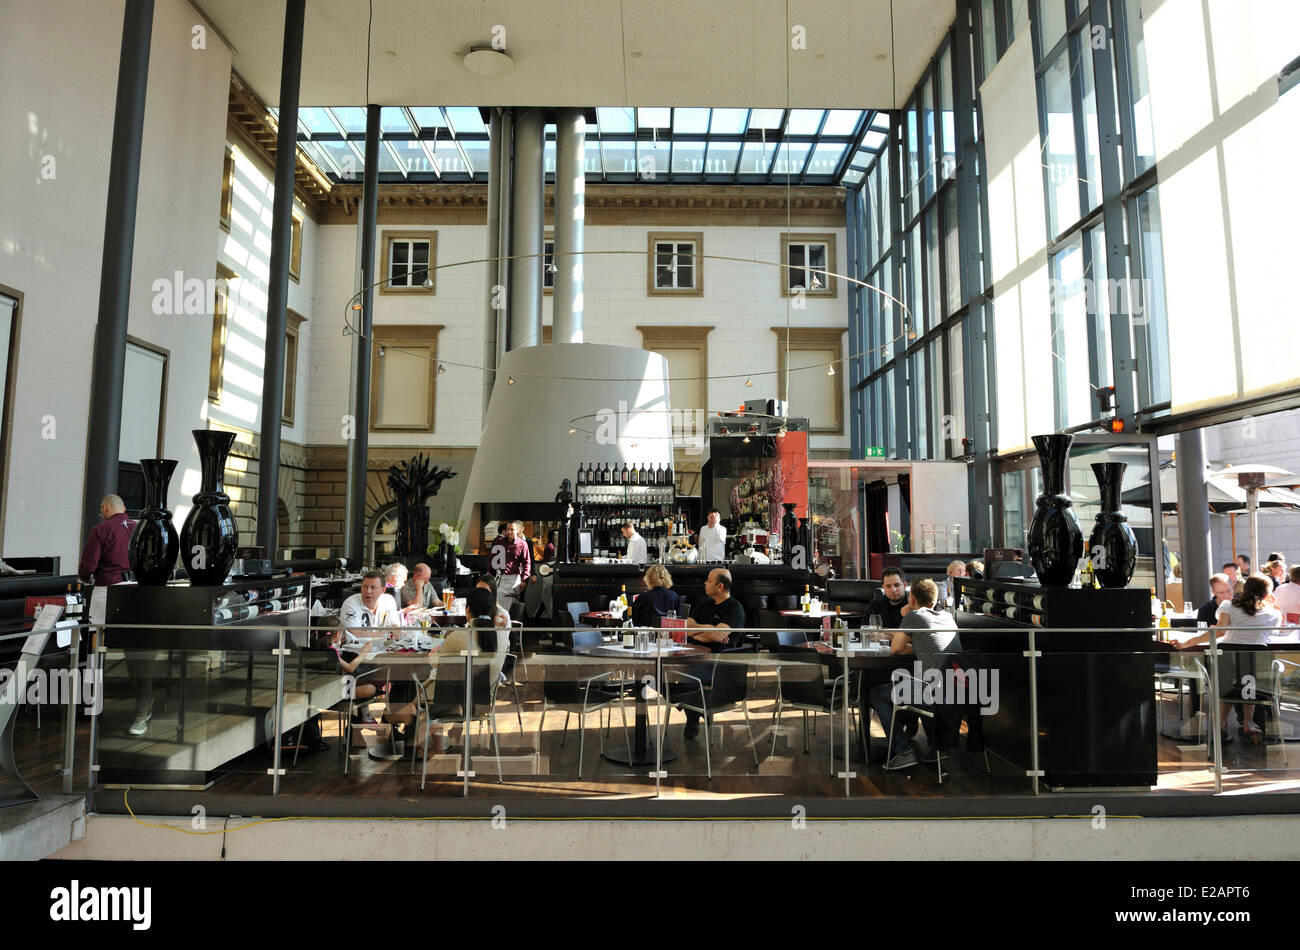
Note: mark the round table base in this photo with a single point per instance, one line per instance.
(619, 756)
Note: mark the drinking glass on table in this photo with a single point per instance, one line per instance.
(1187, 608)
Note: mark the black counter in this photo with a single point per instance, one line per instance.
(1096, 701)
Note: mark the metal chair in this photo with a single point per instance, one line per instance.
(926, 712)
(728, 688)
(447, 697)
(584, 696)
(800, 684)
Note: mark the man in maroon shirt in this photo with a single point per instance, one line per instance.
(105, 558)
(511, 559)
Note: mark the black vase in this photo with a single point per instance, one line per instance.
(1055, 538)
(805, 538)
(452, 566)
(1112, 547)
(789, 532)
(154, 544)
(209, 538)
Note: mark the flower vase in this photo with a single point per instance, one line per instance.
(210, 538)
(154, 542)
(1055, 538)
(1112, 546)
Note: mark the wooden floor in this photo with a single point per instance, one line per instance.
(549, 769)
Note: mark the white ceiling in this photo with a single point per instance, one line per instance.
(585, 52)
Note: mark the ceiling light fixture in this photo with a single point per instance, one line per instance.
(428, 283)
(511, 380)
(749, 382)
(830, 369)
(572, 430)
(382, 351)
(441, 369)
(488, 63)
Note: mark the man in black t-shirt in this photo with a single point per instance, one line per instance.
(889, 603)
(711, 625)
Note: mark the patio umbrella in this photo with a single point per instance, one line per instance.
(1222, 493)
(1251, 477)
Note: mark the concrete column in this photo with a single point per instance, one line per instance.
(277, 289)
(526, 230)
(354, 525)
(1193, 516)
(108, 368)
(493, 299)
(570, 221)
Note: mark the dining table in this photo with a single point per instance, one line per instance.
(813, 619)
(642, 752)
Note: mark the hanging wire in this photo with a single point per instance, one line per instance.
(906, 332)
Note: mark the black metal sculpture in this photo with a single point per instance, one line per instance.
(564, 498)
(413, 483)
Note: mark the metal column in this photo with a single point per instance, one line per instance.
(1193, 514)
(974, 332)
(1123, 364)
(277, 290)
(570, 220)
(494, 296)
(853, 300)
(109, 366)
(526, 232)
(359, 446)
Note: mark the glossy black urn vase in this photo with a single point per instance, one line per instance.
(154, 543)
(789, 532)
(1055, 538)
(209, 538)
(805, 538)
(1112, 547)
(453, 566)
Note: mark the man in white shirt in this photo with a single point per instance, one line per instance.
(370, 608)
(713, 538)
(1287, 600)
(636, 549)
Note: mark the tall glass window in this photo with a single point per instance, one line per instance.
(1152, 318)
(1091, 146)
(1070, 335)
(1060, 157)
(1143, 147)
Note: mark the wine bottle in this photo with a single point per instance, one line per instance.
(636, 476)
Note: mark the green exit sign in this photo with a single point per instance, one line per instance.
(875, 452)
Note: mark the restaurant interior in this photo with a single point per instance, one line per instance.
(929, 443)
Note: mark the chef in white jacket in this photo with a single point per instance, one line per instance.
(713, 538)
(636, 550)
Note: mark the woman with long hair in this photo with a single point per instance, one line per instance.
(1247, 619)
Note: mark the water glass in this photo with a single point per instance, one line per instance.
(1187, 608)
(671, 615)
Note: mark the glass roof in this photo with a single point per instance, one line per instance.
(726, 146)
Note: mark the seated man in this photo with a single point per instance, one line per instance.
(420, 590)
(890, 603)
(370, 608)
(1220, 590)
(928, 634)
(711, 624)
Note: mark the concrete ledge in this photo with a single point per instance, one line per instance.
(457, 839)
(35, 831)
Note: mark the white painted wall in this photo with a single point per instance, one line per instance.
(742, 301)
(59, 70)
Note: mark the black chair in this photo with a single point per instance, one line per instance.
(583, 696)
(777, 640)
(727, 689)
(800, 684)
